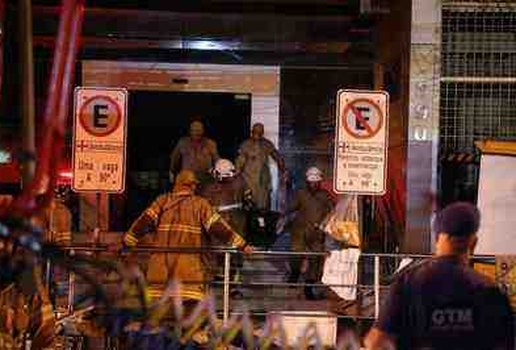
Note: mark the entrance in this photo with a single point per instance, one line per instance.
(157, 119)
(162, 99)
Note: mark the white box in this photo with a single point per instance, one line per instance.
(295, 324)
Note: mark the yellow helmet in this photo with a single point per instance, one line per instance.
(185, 178)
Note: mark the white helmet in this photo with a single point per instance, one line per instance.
(313, 174)
(223, 169)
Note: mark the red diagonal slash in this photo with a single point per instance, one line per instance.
(361, 119)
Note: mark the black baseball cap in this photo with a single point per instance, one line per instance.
(459, 219)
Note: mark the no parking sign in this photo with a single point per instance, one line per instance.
(361, 140)
(99, 139)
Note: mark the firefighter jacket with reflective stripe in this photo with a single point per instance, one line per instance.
(180, 219)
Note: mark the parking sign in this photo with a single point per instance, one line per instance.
(99, 139)
(361, 141)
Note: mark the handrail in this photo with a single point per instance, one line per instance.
(377, 287)
(220, 249)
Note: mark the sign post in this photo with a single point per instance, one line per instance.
(99, 143)
(361, 140)
(99, 140)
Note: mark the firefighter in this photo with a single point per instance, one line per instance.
(231, 197)
(55, 221)
(195, 152)
(253, 162)
(310, 207)
(58, 218)
(181, 219)
(26, 313)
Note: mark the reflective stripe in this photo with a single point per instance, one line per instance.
(180, 228)
(130, 239)
(229, 207)
(62, 237)
(190, 294)
(153, 215)
(215, 217)
(237, 241)
(46, 313)
(156, 293)
(182, 193)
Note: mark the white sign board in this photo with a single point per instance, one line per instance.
(361, 140)
(99, 139)
(497, 203)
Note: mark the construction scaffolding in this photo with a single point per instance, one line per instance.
(478, 86)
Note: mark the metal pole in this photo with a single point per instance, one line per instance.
(46, 149)
(376, 286)
(96, 231)
(227, 266)
(62, 110)
(71, 288)
(27, 86)
(51, 238)
(71, 291)
(2, 42)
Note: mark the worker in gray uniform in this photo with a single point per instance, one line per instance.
(195, 152)
(310, 207)
(253, 163)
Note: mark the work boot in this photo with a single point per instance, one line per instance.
(293, 277)
(309, 293)
(313, 292)
(236, 294)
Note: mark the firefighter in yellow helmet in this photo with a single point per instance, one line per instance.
(310, 207)
(181, 219)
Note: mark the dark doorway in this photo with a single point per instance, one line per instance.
(156, 122)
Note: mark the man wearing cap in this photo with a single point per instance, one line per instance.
(195, 152)
(442, 303)
(310, 206)
(181, 219)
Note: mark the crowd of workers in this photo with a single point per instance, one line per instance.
(441, 303)
(214, 200)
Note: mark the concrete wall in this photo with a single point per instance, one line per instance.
(408, 68)
(423, 124)
(392, 74)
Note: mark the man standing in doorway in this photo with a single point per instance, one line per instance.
(442, 303)
(311, 205)
(195, 152)
(252, 161)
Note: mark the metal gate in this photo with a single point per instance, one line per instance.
(478, 88)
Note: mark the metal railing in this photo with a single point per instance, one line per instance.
(376, 286)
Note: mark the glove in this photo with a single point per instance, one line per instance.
(248, 249)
